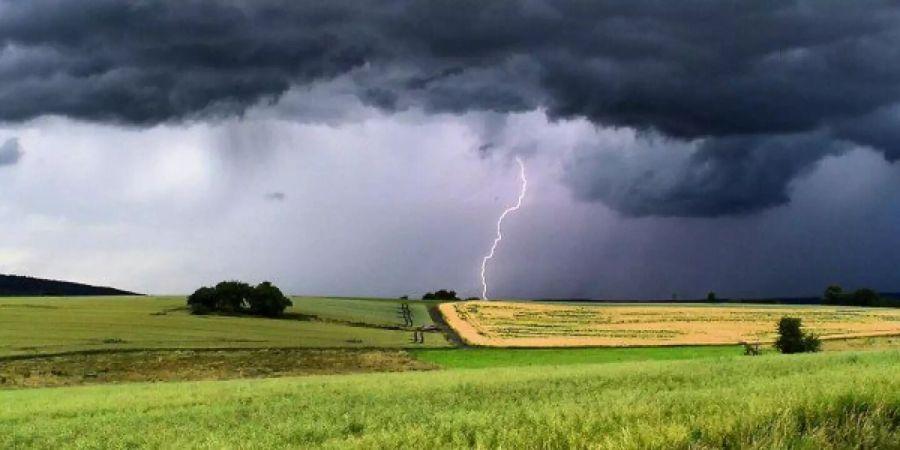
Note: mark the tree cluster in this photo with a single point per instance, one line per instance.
(235, 297)
(792, 338)
(835, 295)
(441, 294)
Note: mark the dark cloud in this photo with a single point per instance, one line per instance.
(880, 129)
(712, 177)
(10, 152)
(276, 196)
(762, 89)
(154, 61)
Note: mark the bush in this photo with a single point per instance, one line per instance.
(751, 349)
(792, 339)
(235, 297)
(811, 343)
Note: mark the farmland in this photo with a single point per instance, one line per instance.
(189, 364)
(508, 324)
(482, 357)
(140, 372)
(35, 326)
(830, 400)
(380, 312)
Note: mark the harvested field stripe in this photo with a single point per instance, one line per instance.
(510, 324)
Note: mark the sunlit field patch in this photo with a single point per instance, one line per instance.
(509, 324)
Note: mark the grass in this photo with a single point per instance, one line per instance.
(822, 401)
(210, 364)
(373, 311)
(510, 324)
(34, 326)
(476, 358)
(184, 365)
(864, 343)
(484, 357)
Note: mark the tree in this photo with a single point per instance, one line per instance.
(865, 297)
(711, 297)
(441, 294)
(235, 297)
(834, 294)
(232, 296)
(792, 339)
(202, 301)
(267, 300)
(444, 294)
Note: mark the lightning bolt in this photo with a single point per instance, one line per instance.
(499, 237)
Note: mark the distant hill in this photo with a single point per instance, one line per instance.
(14, 285)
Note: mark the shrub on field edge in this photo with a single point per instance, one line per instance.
(792, 339)
(751, 349)
(235, 297)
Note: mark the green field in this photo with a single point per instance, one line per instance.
(54, 325)
(476, 358)
(822, 401)
(372, 311)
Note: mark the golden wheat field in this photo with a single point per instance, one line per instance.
(511, 324)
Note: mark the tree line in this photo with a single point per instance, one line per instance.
(441, 294)
(835, 295)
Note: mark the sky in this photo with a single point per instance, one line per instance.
(367, 148)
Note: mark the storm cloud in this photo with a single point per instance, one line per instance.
(746, 95)
(715, 177)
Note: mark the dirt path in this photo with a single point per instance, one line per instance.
(439, 319)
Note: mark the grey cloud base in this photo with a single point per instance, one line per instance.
(757, 91)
